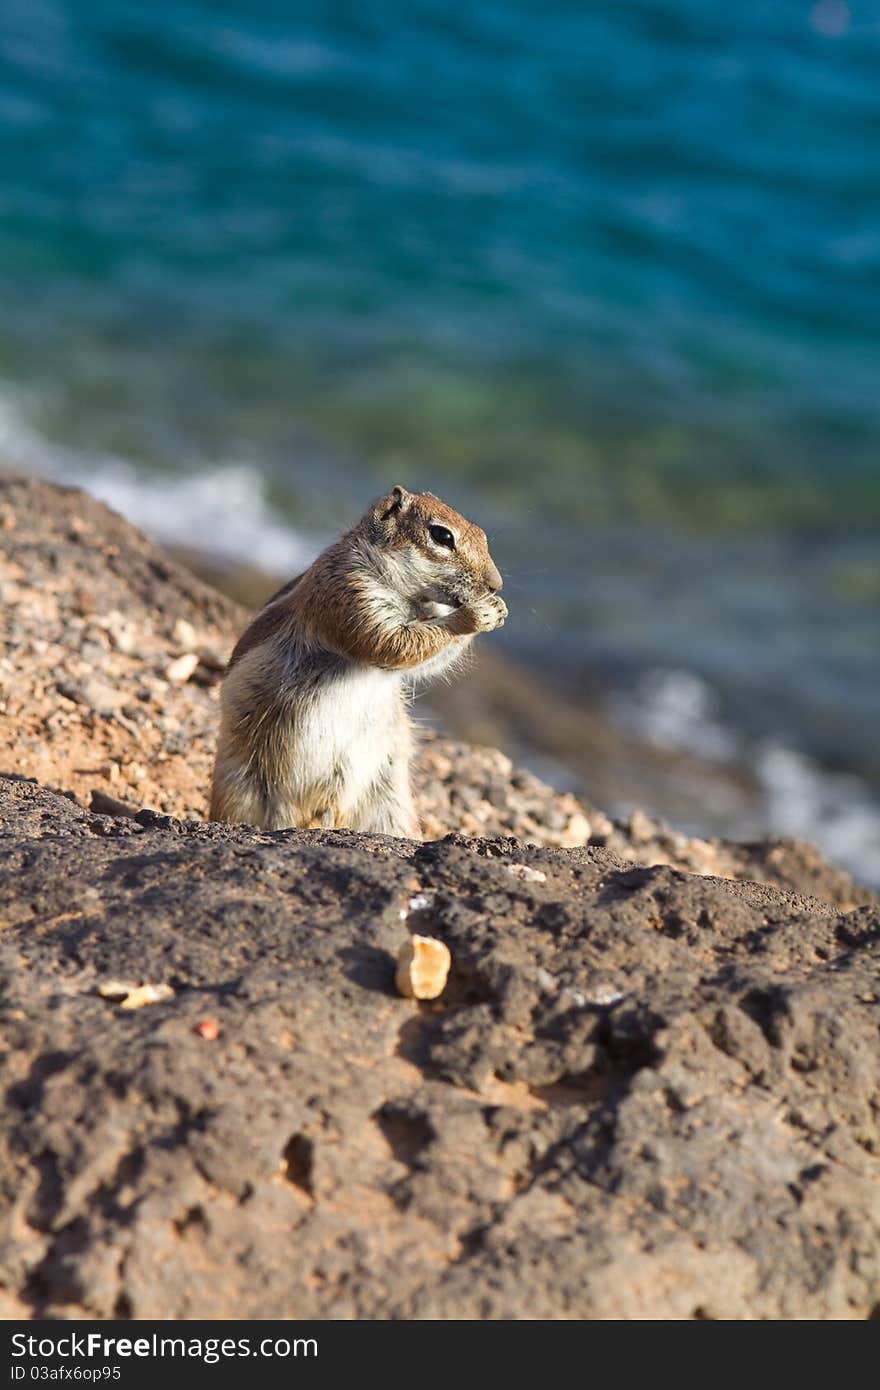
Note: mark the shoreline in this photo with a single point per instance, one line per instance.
(649, 739)
(121, 702)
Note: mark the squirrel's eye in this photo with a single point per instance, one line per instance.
(442, 536)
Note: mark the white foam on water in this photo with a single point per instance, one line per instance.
(835, 810)
(221, 510)
(678, 710)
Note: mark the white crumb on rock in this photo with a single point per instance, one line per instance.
(419, 902)
(526, 872)
(133, 996)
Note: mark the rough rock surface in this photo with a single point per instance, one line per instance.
(646, 1092)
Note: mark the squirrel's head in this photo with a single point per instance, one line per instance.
(431, 550)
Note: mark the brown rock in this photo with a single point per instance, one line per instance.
(645, 1094)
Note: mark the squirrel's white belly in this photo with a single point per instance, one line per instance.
(343, 735)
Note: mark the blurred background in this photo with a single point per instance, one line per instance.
(605, 276)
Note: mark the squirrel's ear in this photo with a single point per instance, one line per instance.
(398, 500)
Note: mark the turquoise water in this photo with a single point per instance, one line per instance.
(606, 274)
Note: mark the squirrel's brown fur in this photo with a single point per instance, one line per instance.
(314, 726)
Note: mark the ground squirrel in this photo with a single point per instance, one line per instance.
(314, 728)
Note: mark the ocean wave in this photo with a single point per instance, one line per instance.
(222, 509)
(678, 710)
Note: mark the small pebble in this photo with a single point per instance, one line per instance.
(132, 996)
(420, 901)
(185, 635)
(525, 871)
(179, 671)
(422, 967)
(116, 989)
(606, 996)
(147, 994)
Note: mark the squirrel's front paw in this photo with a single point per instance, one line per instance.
(482, 615)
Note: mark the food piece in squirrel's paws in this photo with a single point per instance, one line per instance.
(431, 608)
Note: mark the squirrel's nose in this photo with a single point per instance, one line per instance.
(493, 578)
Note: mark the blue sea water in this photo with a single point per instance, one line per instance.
(606, 274)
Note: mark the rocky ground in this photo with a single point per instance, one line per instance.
(651, 1089)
